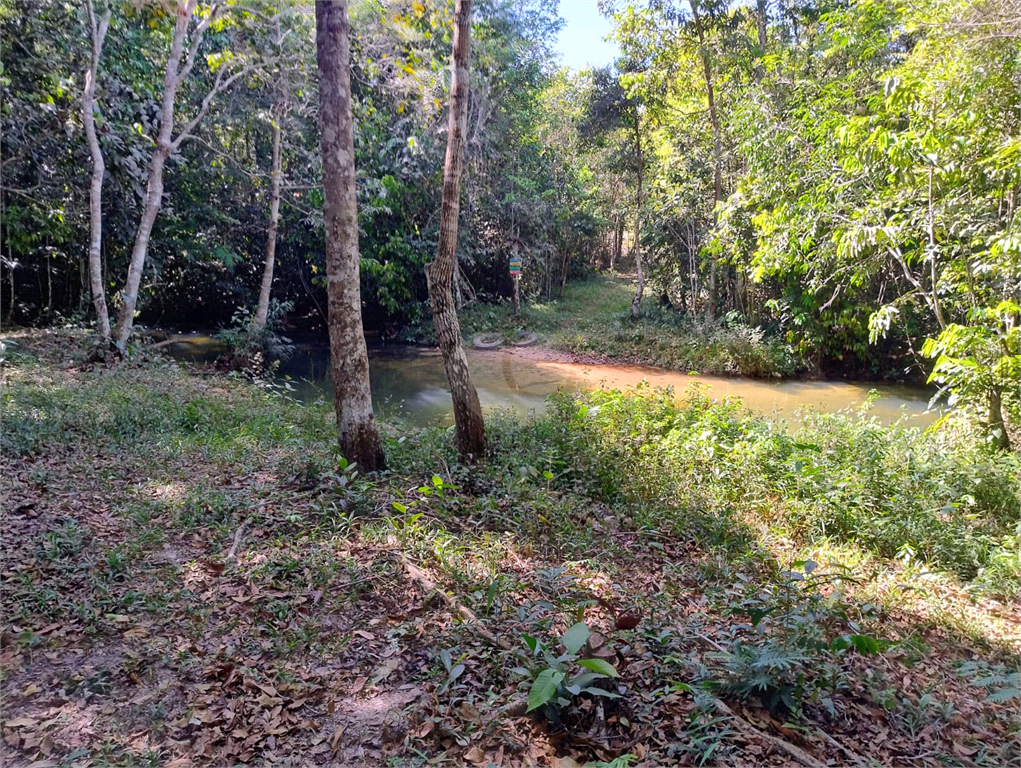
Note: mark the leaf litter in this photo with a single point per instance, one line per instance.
(131, 635)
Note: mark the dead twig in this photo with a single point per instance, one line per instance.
(429, 586)
(784, 746)
(858, 759)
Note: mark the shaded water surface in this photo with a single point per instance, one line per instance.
(409, 382)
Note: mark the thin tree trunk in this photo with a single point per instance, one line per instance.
(176, 73)
(640, 282)
(693, 266)
(349, 358)
(931, 227)
(471, 429)
(762, 21)
(154, 186)
(618, 243)
(98, 33)
(717, 142)
(262, 310)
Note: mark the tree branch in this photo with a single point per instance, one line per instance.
(218, 87)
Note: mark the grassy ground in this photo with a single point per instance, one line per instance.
(191, 576)
(593, 320)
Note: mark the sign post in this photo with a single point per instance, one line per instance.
(515, 273)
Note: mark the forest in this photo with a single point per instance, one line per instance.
(379, 390)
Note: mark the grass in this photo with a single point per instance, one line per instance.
(195, 546)
(593, 319)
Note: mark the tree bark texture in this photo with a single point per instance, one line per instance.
(262, 309)
(640, 281)
(470, 427)
(349, 358)
(996, 427)
(98, 31)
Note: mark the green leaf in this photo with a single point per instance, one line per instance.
(600, 666)
(531, 642)
(544, 688)
(865, 644)
(575, 637)
(601, 692)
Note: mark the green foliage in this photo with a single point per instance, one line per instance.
(258, 350)
(940, 498)
(980, 360)
(558, 681)
(800, 629)
(1001, 683)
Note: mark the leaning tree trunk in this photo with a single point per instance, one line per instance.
(262, 310)
(98, 33)
(640, 281)
(471, 429)
(349, 358)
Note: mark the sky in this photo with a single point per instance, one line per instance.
(581, 40)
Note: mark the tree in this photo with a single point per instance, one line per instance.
(97, 32)
(166, 144)
(471, 429)
(714, 118)
(349, 358)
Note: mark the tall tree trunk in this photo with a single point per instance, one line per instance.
(471, 429)
(640, 281)
(98, 32)
(349, 358)
(262, 310)
(762, 22)
(717, 142)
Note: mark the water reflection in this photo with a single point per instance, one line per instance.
(409, 382)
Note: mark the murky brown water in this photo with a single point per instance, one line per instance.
(410, 383)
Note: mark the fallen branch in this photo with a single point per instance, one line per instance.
(858, 759)
(237, 539)
(429, 586)
(784, 746)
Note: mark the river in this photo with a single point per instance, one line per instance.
(409, 383)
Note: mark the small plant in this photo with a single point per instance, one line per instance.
(559, 680)
(1003, 684)
(256, 351)
(796, 651)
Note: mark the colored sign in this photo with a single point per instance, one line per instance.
(515, 265)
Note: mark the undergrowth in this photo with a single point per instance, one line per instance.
(780, 538)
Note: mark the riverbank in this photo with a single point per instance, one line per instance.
(192, 577)
(591, 324)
